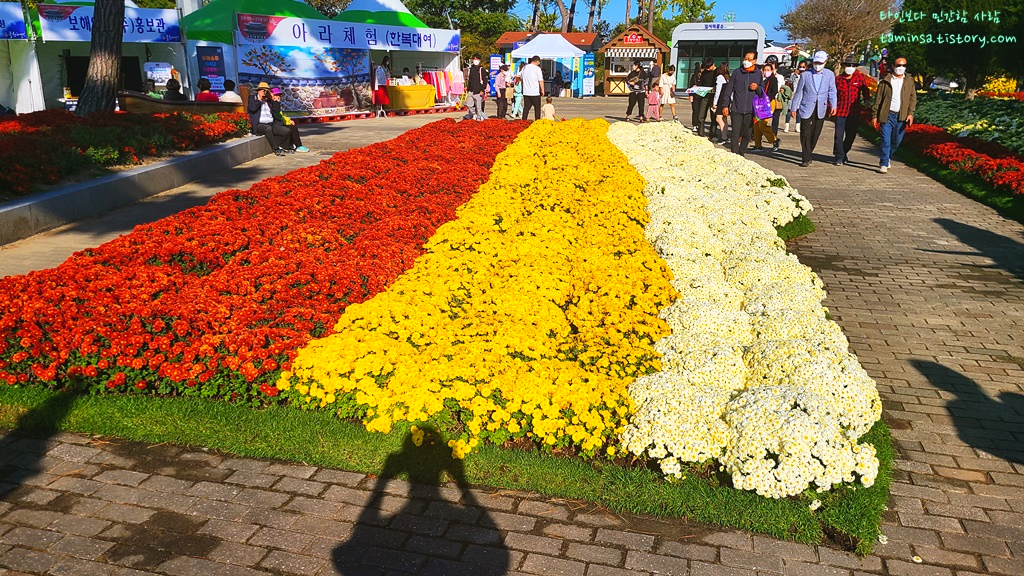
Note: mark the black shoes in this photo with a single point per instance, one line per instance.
(279, 152)
(775, 146)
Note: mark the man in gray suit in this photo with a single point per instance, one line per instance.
(814, 100)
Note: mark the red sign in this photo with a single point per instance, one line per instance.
(633, 38)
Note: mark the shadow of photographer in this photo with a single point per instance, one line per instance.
(438, 530)
(982, 422)
(24, 447)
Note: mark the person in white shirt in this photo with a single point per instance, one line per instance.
(548, 111)
(893, 110)
(533, 87)
(229, 94)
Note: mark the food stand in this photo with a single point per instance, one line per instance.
(635, 43)
(575, 64)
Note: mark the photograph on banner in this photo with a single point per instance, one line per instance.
(314, 79)
(589, 72)
(12, 22)
(286, 31)
(74, 24)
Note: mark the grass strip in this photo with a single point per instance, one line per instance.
(847, 515)
(801, 226)
(1004, 202)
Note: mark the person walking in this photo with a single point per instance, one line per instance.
(780, 83)
(794, 81)
(814, 100)
(476, 88)
(851, 90)
(783, 100)
(517, 95)
(738, 100)
(762, 126)
(701, 104)
(721, 79)
(637, 82)
(533, 87)
(667, 84)
(500, 84)
(893, 110)
(557, 84)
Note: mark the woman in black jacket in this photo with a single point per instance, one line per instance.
(704, 78)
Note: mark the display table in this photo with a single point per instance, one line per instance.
(410, 97)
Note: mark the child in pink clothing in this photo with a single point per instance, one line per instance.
(654, 104)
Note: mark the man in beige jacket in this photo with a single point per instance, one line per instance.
(893, 110)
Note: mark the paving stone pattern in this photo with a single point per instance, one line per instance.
(926, 284)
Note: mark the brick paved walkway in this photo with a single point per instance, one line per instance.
(928, 286)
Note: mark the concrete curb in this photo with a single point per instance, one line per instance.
(21, 219)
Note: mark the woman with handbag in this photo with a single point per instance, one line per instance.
(764, 110)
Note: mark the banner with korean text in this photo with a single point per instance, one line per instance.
(12, 22)
(284, 31)
(74, 24)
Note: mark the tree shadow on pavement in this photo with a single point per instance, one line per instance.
(438, 530)
(992, 425)
(1007, 253)
(22, 450)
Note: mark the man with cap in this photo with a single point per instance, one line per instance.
(893, 110)
(263, 113)
(814, 100)
(851, 89)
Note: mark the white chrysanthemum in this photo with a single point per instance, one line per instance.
(754, 374)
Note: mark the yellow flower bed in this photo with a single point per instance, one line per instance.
(528, 316)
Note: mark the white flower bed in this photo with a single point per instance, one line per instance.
(754, 375)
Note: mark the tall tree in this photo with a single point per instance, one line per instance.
(650, 16)
(591, 12)
(836, 26)
(535, 21)
(563, 13)
(572, 17)
(104, 72)
(671, 13)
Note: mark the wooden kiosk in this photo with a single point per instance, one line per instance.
(635, 43)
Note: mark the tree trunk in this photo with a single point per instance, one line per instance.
(572, 16)
(535, 22)
(650, 16)
(971, 92)
(563, 13)
(590, 17)
(628, 8)
(101, 79)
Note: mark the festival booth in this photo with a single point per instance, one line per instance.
(21, 84)
(581, 84)
(210, 32)
(324, 66)
(635, 43)
(558, 55)
(152, 48)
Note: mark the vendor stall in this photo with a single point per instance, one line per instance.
(324, 66)
(635, 43)
(580, 79)
(210, 33)
(151, 36)
(559, 56)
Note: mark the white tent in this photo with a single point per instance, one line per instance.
(549, 47)
(21, 85)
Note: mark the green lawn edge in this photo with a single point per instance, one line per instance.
(801, 226)
(848, 516)
(1005, 202)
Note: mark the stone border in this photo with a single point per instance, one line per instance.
(27, 217)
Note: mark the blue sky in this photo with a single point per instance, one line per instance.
(766, 12)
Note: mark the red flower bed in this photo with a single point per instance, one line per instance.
(1011, 95)
(43, 147)
(216, 299)
(990, 161)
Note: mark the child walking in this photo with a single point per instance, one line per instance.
(547, 112)
(654, 104)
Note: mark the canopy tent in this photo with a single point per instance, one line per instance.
(215, 22)
(383, 12)
(548, 46)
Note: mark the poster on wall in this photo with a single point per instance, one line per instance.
(12, 22)
(158, 72)
(285, 31)
(74, 24)
(211, 66)
(589, 72)
(317, 80)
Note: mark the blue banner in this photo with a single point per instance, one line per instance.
(12, 22)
